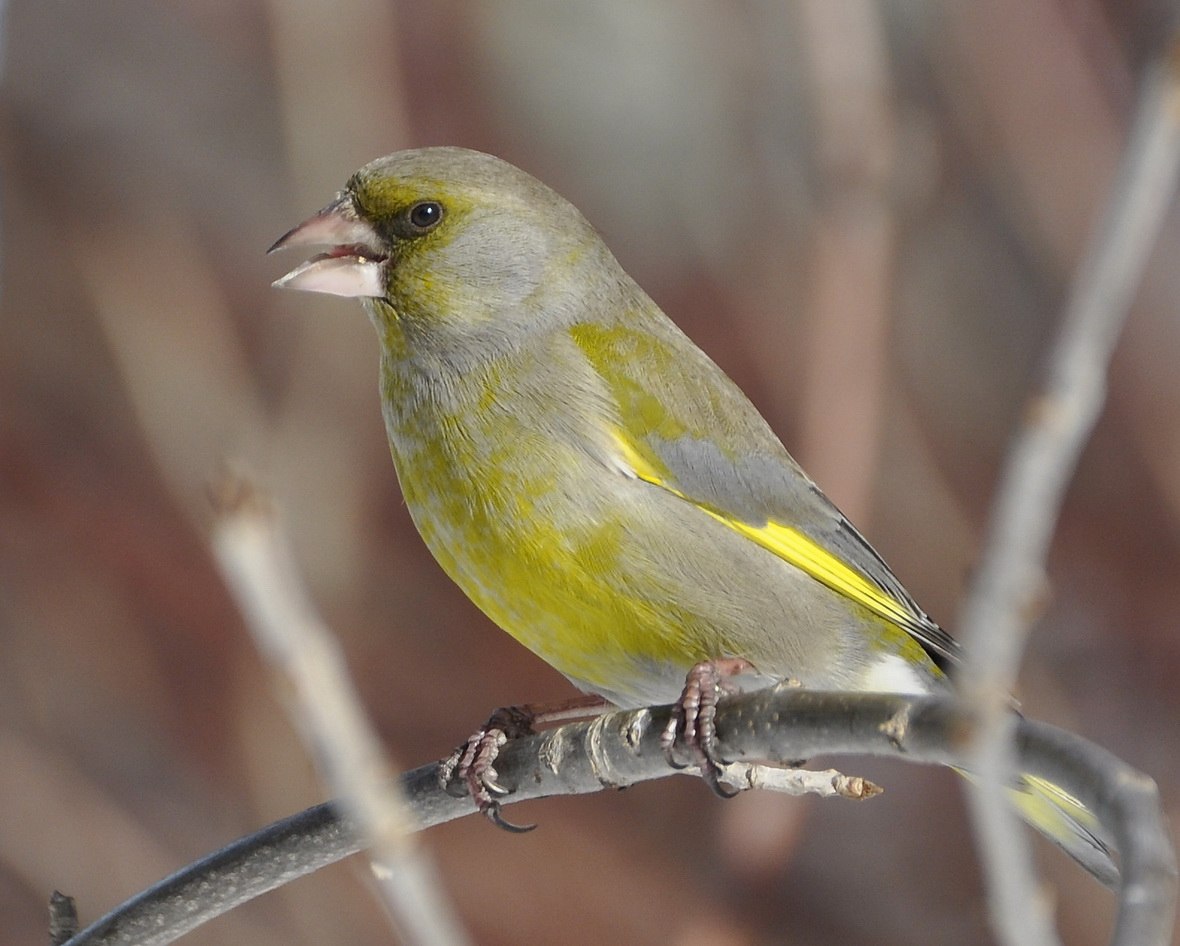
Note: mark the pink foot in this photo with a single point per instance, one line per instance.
(470, 769)
(691, 724)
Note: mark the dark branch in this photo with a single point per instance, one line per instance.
(619, 749)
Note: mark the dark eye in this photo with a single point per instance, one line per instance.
(425, 216)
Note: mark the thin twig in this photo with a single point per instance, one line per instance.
(623, 748)
(63, 918)
(997, 615)
(257, 565)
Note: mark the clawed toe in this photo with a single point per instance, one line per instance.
(470, 769)
(495, 816)
(692, 726)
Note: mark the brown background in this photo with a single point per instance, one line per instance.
(867, 212)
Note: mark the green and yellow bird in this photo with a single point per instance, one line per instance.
(588, 476)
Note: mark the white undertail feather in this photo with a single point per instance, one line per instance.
(894, 674)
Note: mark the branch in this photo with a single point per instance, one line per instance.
(623, 748)
(256, 561)
(998, 613)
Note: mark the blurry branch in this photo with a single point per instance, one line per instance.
(1009, 584)
(256, 562)
(185, 372)
(853, 245)
(623, 748)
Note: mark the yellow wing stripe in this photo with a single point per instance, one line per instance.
(804, 553)
(792, 546)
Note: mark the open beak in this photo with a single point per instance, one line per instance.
(352, 266)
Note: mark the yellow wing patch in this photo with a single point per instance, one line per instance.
(804, 553)
(792, 546)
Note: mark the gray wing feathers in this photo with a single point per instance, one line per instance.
(732, 461)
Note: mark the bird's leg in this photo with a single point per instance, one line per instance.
(691, 724)
(470, 767)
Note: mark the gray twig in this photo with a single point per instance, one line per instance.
(623, 748)
(1009, 583)
(257, 564)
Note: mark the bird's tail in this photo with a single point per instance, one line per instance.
(1065, 821)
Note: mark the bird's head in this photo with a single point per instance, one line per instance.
(445, 236)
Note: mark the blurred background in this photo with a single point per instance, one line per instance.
(867, 212)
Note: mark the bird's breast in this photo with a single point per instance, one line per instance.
(512, 503)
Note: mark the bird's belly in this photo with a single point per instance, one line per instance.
(619, 585)
(552, 581)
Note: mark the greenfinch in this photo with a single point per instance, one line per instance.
(591, 479)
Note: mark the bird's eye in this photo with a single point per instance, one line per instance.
(425, 216)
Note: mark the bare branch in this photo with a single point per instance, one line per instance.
(623, 748)
(256, 561)
(998, 613)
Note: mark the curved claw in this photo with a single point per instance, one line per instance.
(488, 781)
(711, 776)
(495, 816)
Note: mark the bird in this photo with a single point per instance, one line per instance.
(595, 483)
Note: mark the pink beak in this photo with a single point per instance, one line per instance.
(354, 265)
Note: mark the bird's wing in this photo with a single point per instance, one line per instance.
(686, 428)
